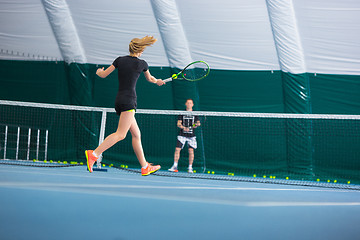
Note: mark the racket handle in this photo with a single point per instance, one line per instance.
(168, 79)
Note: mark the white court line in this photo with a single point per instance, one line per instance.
(119, 186)
(119, 176)
(89, 189)
(85, 174)
(301, 204)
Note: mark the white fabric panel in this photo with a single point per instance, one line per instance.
(330, 35)
(25, 32)
(64, 31)
(172, 32)
(107, 27)
(229, 34)
(286, 35)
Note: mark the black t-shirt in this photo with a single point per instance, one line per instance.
(129, 69)
(189, 122)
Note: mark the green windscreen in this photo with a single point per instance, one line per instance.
(303, 148)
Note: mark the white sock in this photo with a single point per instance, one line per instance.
(190, 166)
(145, 166)
(94, 154)
(175, 165)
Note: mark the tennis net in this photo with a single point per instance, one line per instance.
(305, 147)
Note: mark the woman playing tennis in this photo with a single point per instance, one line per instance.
(129, 70)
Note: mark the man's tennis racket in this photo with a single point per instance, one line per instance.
(194, 71)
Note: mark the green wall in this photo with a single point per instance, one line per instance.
(228, 91)
(301, 149)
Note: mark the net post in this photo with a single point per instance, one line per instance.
(46, 143)
(28, 145)
(37, 144)
(101, 136)
(17, 144)
(5, 141)
(203, 150)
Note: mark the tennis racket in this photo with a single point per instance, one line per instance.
(194, 71)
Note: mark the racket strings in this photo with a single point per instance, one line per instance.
(196, 71)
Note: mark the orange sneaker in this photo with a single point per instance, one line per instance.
(91, 159)
(150, 169)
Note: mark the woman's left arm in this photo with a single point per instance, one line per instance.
(152, 79)
(104, 73)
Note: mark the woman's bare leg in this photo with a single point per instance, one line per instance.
(125, 121)
(136, 143)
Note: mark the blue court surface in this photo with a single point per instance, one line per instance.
(71, 203)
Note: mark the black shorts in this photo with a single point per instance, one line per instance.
(124, 107)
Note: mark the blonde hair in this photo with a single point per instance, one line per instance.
(138, 45)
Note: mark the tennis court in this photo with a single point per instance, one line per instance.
(71, 203)
(274, 88)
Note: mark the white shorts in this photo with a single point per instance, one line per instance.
(190, 140)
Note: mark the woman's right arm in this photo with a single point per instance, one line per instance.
(104, 73)
(152, 79)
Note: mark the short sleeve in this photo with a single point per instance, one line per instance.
(145, 66)
(116, 62)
